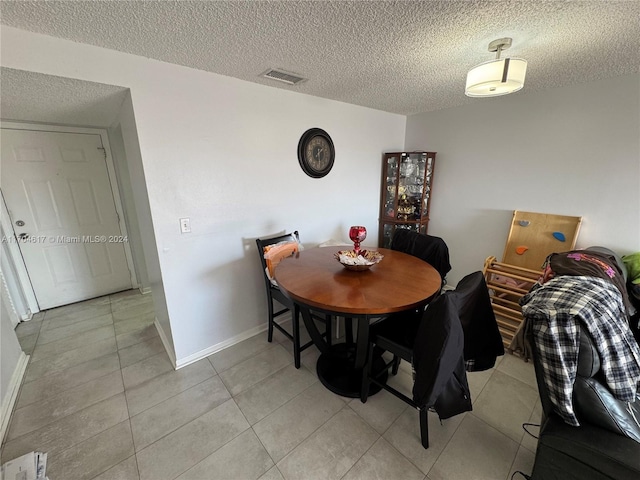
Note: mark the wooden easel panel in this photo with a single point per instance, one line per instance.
(535, 232)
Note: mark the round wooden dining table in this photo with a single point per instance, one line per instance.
(316, 281)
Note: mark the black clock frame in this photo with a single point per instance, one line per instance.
(302, 147)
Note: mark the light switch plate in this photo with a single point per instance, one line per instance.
(185, 225)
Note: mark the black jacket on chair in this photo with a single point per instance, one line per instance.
(435, 346)
(458, 333)
(432, 250)
(438, 360)
(482, 339)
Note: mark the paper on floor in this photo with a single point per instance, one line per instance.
(31, 466)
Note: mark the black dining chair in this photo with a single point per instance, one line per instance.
(436, 349)
(432, 250)
(275, 294)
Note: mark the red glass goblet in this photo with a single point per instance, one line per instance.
(357, 234)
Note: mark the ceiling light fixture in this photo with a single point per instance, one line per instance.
(496, 77)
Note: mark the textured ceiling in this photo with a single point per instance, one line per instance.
(29, 96)
(404, 57)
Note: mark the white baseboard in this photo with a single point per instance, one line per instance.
(166, 343)
(183, 362)
(11, 395)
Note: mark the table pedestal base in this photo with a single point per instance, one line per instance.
(337, 373)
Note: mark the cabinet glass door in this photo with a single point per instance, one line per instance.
(387, 234)
(391, 176)
(428, 165)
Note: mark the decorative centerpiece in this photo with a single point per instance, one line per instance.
(363, 260)
(358, 259)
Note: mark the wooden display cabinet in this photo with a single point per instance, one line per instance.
(405, 198)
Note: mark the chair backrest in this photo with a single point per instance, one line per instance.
(432, 250)
(263, 245)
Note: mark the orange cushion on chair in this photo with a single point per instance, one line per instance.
(276, 252)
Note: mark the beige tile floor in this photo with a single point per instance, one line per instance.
(101, 397)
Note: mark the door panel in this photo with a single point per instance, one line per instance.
(58, 185)
(42, 204)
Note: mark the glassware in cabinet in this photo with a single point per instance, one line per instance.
(406, 193)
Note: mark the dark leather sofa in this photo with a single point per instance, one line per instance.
(606, 445)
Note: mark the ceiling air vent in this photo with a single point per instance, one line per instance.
(282, 76)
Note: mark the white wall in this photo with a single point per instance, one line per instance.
(568, 151)
(11, 366)
(223, 153)
(125, 190)
(16, 305)
(21, 305)
(134, 183)
(11, 350)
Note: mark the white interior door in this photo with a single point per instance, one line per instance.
(57, 189)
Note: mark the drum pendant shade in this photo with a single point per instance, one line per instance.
(496, 77)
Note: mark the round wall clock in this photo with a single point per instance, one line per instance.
(316, 153)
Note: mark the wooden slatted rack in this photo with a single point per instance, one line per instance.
(507, 284)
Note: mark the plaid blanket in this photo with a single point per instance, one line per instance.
(556, 309)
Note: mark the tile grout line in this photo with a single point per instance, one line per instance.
(66, 417)
(282, 406)
(128, 420)
(54, 372)
(217, 449)
(126, 400)
(167, 399)
(48, 357)
(270, 346)
(72, 388)
(91, 343)
(50, 460)
(33, 405)
(370, 446)
(38, 332)
(346, 405)
(124, 392)
(248, 359)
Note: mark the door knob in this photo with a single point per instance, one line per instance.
(23, 236)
